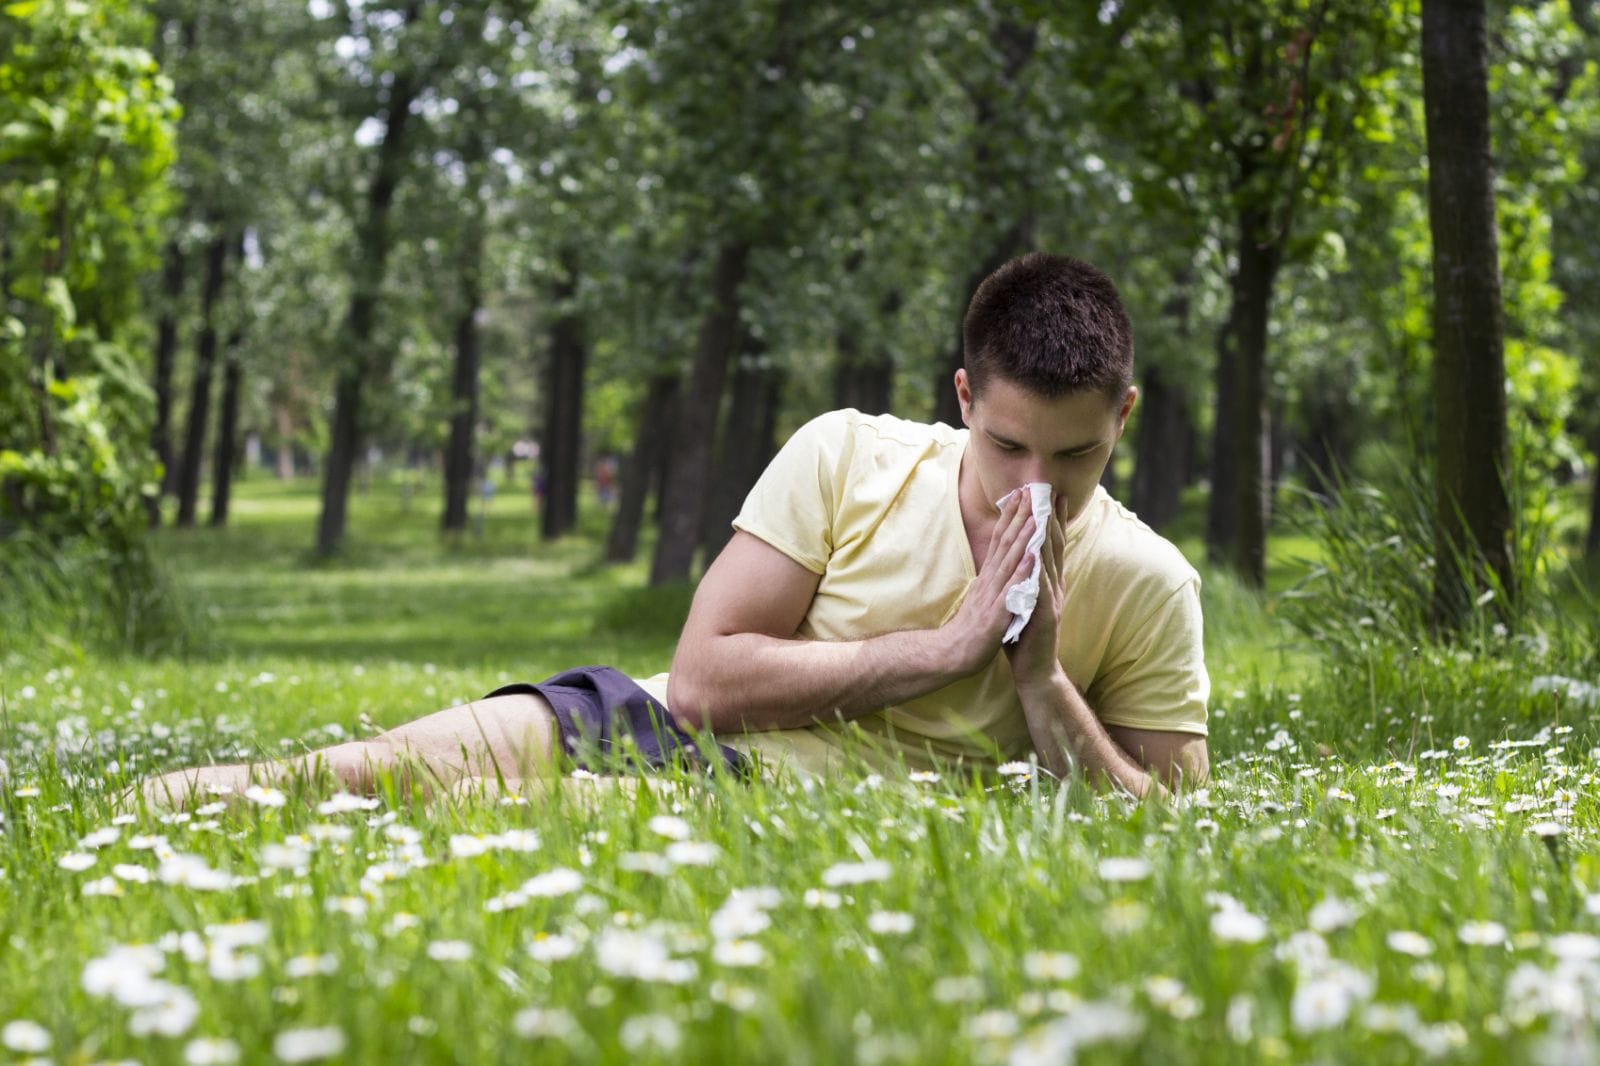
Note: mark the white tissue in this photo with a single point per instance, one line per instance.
(1024, 595)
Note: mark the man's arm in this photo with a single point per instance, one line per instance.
(1066, 732)
(739, 666)
(1068, 735)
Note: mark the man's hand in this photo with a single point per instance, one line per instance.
(974, 632)
(1035, 657)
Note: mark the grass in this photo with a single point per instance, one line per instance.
(1395, 860)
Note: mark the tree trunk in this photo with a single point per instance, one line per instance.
(1591, 544)
(1013, 242)
(563, 411)
(339, 471)
(284, 423)
(1161, 452)
(200, 393)
(1474, 512)
(865, 382)
(373, 239)
(684, 488)
(996, 105)
(638, 471)
(1252, 301)
(1330, 438)
(747, 444)
(172, 277)
(224, 459)
(1220, 515)
(460, 453)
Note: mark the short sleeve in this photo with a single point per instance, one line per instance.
(793, 503)
(1158, 678)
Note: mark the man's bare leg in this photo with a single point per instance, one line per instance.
(506, 737)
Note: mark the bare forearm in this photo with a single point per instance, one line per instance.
(748, 681)
(1067, 735)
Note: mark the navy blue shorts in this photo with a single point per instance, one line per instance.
(606, 721)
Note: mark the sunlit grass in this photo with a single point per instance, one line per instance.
(1391, 865)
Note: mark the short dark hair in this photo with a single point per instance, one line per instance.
(1050, 323)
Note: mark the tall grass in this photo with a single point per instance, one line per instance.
(74, 596)
(1367, 606)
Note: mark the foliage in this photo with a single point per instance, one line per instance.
(85, 137)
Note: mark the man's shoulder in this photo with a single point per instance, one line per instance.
(889, 429)
(1128, 551)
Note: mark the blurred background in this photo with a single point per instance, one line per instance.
(525, 254)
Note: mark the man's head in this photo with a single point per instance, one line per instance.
(1047, 386)
(1051, 324)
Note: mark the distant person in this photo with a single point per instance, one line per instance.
(861, 604)
(605, 480)
(486, 490)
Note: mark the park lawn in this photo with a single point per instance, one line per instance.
(1387, 866)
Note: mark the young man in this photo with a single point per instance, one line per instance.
(860, 606)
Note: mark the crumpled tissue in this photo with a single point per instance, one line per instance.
(1024, 595)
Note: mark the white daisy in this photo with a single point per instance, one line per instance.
(308, 1045)
(855, 873)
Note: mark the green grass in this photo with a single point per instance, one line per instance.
(989, 925)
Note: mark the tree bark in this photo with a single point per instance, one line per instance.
(563, 411)
(172, 278)
(747, 444)
(283, 422)
(1591, 544)
(1162, 450)
(374, 239)
(1251, 418)
(1473, 508)
(200, 392)
(224, 460)
(865, 381)
(1016, 239)
(654, 427)
(1330, 434)
(460, 453)
(684, 488)
(1220, 515)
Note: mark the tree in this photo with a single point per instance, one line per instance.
(563, 417)
(1473, 509)
(188, 489)
(747, 160)
(1001, 181)
(172, 286)
(395, 97)
(1251, 122)
(460, 462)
(225, 456)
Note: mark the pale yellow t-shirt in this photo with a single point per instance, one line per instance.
(869, 503)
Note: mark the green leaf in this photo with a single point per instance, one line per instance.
(23, 8)
(59, 299)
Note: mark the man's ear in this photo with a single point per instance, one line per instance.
(963, 393)
(1129, 399)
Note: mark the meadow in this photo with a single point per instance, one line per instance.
(1394, 860)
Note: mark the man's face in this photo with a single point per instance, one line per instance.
(1018, 437)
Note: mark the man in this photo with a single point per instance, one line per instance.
(860, 606)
